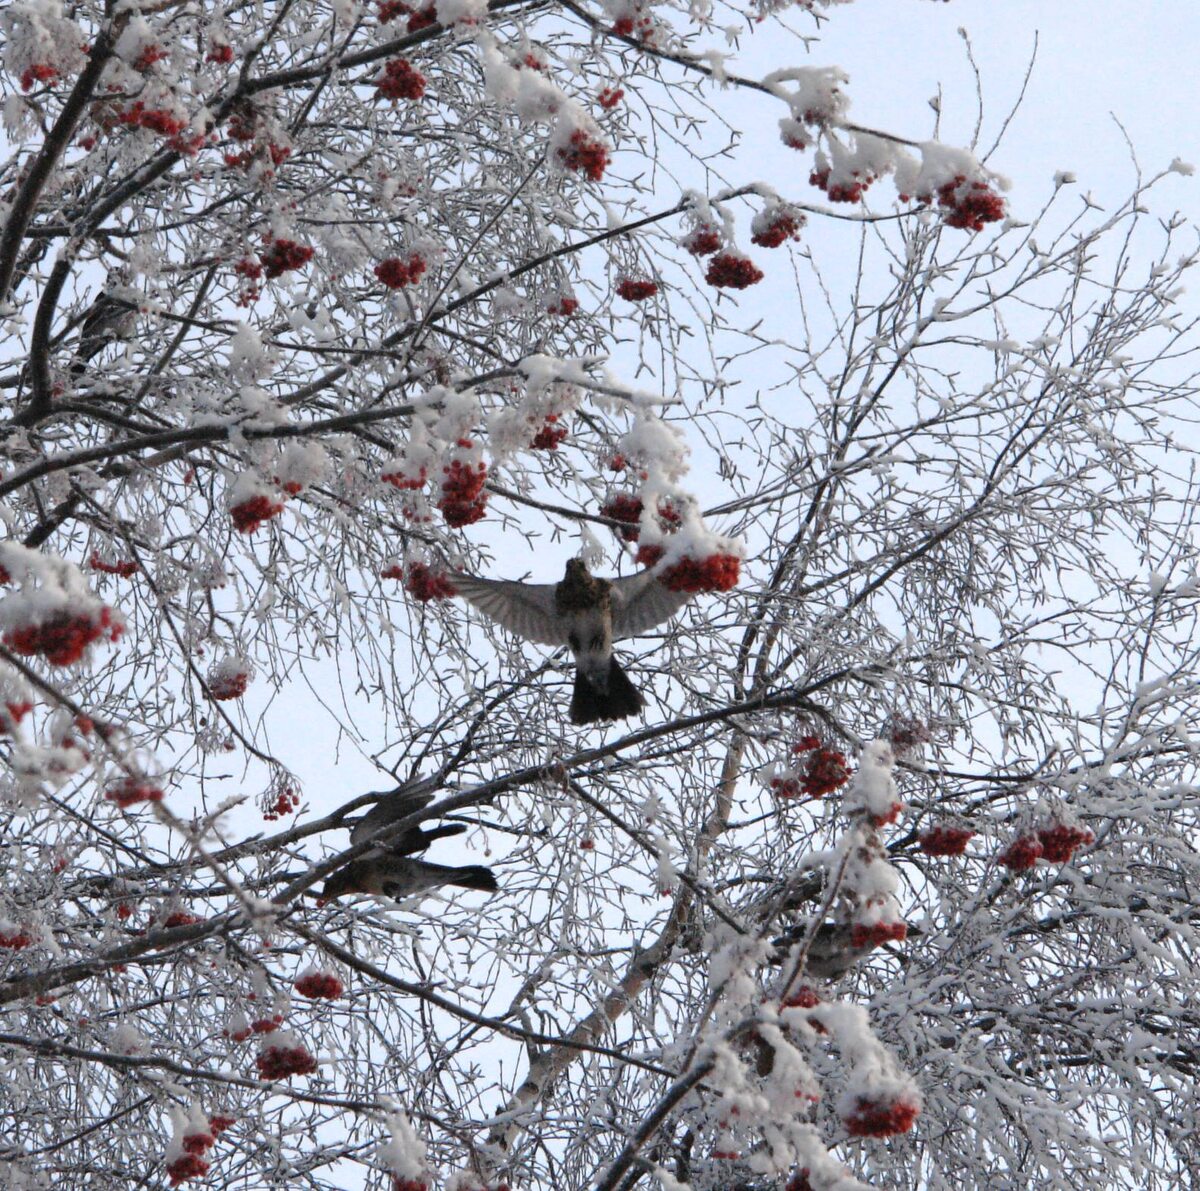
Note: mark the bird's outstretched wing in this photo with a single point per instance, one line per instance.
(640, 601)
(526, 609)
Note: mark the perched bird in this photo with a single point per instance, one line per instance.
(832, 953)
(391, 869)
(109, 319)
(587, 614)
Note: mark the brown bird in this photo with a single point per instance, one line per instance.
(390, 870)
(588, 614)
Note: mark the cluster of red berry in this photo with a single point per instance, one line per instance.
(418, 18)
(180, 918)
(1055, 843)
(241, 1030)
(13, 712)
(39, 72)
(252, 271)
(397, 272)
(943, 840)
(609, 97)
(877, 933)
(841, 192)
(802, 997)
(703, 240)
(282, 1062)
(283, 256)
(717, 572)
(62, 638)
(793, 134)
(1022, 854)
(464, 500)
(1060, 840)
(245, 126)
(774, 228)
(400, 81)
(550, 435)
(585, 154)
(187, 1166)
(190, 1164)
(626, 509)
(228, 684)
(249, 514)
(220, 52)
(969, 204)
(131, 790)
(732, 272)
(14, 938)
(149, 55)
(880, 1118)
(138, 115)
(634, 289)
(124, 569)
(320, 986)
(564, 306)
(823, 769)
(287, 799)
(405, 482)
(637, 25)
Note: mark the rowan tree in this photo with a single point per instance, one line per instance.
(310, 305)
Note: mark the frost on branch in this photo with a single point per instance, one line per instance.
(403, 1155)
(848, 162)
(43, 47)
(873, 792)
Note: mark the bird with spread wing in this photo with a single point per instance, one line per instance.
(588, 614)
(391, 869)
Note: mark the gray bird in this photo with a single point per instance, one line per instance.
(832, 954)
(391, 870)
(587, 614)
(110, 319)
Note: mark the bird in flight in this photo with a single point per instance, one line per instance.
(588, 614)
(391, 869)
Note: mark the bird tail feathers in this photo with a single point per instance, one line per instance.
(475, 876)
(590, 704)
(428, 836)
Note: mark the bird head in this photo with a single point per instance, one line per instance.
(345, 880)
(577, 569)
